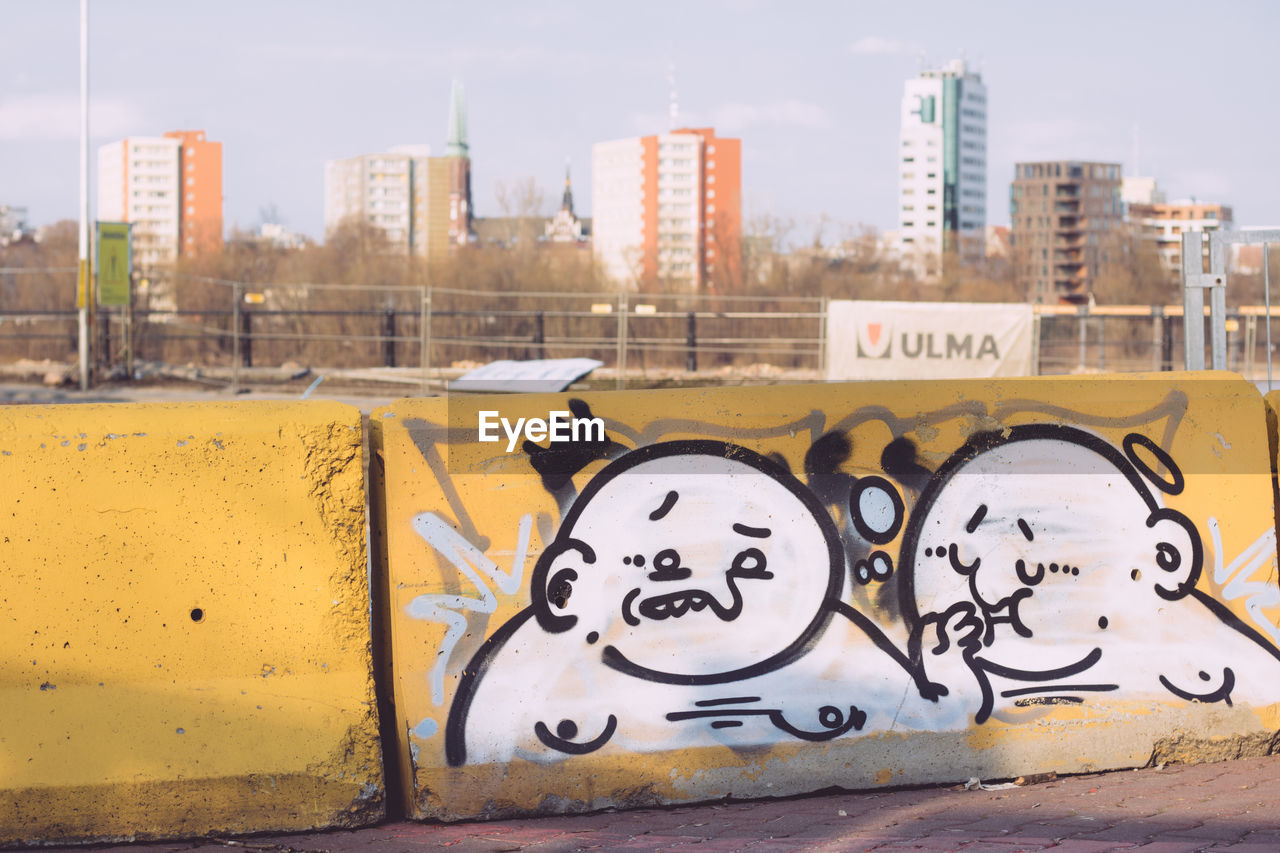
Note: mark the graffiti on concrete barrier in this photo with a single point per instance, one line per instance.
(691, 577)
(1044, 559)
(697, 592)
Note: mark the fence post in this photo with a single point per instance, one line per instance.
(246, 331)
(1166, 345)
(539, 334)
(622, 340)
(1102, 344)
(1084, 337)
(128, 337)
(389, 338)
(691, 341)
(1250, 345)
(105, 355)
(824, 307)
(1035, 344)
(235, 337)
(1157, 334)
(424, 331)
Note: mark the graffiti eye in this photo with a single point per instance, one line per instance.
(559, 588)
(1030, 577)
(1167, 557)
(750, 563)
(666, 560)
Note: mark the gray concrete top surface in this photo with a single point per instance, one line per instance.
(22, 394)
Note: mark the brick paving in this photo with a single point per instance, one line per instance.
(1233, 805)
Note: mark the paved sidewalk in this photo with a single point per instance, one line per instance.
(1232, 805)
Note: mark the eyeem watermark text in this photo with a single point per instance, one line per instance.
(559, 426)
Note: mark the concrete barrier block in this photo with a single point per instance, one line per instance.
(184, 625)
(745, 592)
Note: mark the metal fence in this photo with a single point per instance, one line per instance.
(425, 331)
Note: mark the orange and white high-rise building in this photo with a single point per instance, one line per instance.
(169, 187)
(200, 220)
(668, 208)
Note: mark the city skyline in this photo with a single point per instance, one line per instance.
(813, 92)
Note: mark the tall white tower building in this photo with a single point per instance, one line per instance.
(942, 177)
(139, 182)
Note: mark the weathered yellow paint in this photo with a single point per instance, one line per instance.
(460, 583)
(184, 634)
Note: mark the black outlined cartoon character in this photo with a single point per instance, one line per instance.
(683, 586)
(1044, 560)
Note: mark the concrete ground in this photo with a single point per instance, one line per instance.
(1230, 805)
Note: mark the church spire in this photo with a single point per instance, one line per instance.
(566, 203)
(457, 144)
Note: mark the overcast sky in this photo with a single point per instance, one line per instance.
(812, 89)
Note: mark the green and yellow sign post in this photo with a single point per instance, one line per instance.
(115, 263)
(115, 277)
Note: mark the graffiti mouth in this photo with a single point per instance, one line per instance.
(1003, 612)
(673, 605)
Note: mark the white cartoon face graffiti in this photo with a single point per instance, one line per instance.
(1054, 547)
(1045, 558)
(690, 568)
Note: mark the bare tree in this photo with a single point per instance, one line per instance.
(522, 203)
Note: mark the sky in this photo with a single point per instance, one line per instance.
(1176, 90)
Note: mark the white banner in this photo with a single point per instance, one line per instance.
(927, 340)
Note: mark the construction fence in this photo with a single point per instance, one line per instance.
(212, 323)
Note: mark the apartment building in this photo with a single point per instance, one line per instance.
(1165, 223)
(668, 208)
(1063, 215)
(169, 187)
(942, 176)
(391, 191)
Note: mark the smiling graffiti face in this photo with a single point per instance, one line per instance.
(689, 561)
(1058, 545)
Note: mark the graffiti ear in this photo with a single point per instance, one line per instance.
(552, 583)
(1177, 553)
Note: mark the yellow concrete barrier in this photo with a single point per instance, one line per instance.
(658, 597)
(184, 637)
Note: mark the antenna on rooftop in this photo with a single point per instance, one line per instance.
(673, 109)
